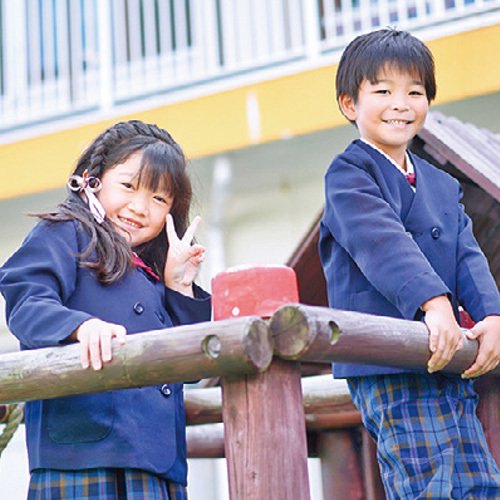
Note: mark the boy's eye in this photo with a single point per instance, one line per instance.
(416, 92)
(127, 185)
(382, 91)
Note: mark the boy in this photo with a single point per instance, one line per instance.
(393, 249)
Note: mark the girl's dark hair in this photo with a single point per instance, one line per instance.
(163, 167)
(368, 54)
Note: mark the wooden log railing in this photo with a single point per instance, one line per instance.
(235, 347)
(242, 348)
(320, 334)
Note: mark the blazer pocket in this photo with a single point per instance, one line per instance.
(80, 419)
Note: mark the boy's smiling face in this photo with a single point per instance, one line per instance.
(389, 112)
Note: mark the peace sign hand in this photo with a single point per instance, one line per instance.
(183, 258)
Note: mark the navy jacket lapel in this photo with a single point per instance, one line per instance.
(396, 189)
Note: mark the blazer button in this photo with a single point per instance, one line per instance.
(138, 308)
(435, 232)
(166, 390)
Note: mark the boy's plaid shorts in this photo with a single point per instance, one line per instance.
(430, 443)
(102, 484)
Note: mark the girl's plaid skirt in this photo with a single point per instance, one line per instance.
(430, 443)
(102, 484)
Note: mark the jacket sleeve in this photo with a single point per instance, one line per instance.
(36, 282)
(476, 289)
(372, 233)
(184, 310)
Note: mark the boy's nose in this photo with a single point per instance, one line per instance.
(400, 104)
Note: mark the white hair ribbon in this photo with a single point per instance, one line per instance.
(89, 186)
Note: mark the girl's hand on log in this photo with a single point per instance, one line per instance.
(445, 335)
(183, 258)
(95, 338)
(487, 333)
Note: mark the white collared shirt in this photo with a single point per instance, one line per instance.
(409, 165)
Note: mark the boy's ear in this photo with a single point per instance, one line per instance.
(346, 104)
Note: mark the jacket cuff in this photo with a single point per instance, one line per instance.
(185, 310)
(418, 290)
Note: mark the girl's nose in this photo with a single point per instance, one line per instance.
(138, 204)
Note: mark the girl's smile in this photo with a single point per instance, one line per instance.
(138, 213)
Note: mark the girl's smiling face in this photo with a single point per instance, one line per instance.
(390, 111)
(137, 213)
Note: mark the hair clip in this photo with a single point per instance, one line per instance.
(89, 186)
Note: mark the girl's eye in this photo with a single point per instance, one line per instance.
(127, 185)
(161, 199)
(416, 92)
(382, 91)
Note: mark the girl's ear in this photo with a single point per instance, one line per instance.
(347, 106)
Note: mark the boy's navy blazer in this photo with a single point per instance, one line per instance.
(48, 295)
(386, 249)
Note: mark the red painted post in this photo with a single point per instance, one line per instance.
(264, 423)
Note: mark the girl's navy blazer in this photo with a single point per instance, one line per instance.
(48, 295)
(386, 249)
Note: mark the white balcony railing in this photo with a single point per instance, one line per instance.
(63, 57)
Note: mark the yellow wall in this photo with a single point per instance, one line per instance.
(290, 105)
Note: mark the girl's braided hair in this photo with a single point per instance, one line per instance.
(163, 166)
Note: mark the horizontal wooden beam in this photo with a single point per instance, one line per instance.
(231, 347)
(322, 334)
(205, 441)
(321, 395)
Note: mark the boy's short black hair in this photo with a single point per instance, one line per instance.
(367, 54)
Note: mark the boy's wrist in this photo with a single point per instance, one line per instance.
(437, 302)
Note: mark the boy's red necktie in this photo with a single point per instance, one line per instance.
(411, 178)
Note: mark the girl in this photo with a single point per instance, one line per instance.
(108, 262)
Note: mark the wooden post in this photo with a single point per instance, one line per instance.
(265, 435)
(264, 424)
(321, 334)
(374, 489)
(340, 465)
(190, 352)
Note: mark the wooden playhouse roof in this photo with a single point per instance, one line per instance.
(470, 154)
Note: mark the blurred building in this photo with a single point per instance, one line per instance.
(245, 86)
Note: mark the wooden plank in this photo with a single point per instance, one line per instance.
(306, 264)
(265, 436)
